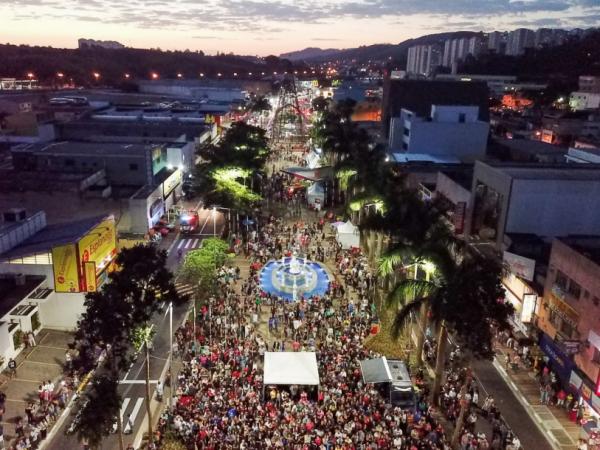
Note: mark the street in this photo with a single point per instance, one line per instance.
(132, 385)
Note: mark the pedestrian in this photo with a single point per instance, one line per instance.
(159, 391)
(68, 361)
(12, 368)
(31, 339)
(129, 425)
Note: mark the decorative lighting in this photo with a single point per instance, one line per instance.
(60, 74)
(30, 75)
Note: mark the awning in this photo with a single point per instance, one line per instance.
(289, 368)
(375, 370)
(316, 174)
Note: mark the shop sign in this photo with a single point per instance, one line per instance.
(171, 183)
(64, 266)
(575, 381)
(529, 305)
(571, 346)
(565, 312)
(99, 243)
(520, 266)
(560, 361)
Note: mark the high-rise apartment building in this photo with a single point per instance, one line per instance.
(423, 59)
(458, 49)
(519, 40)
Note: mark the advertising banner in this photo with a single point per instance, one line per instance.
(171, 183)
(64, 265)
(520, 266)
(98, 244)
(89, 270)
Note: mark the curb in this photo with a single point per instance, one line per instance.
(526, 405)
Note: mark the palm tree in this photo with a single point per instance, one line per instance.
(462, 297)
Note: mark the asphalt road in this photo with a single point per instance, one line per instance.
(132, 387)
(517, 418)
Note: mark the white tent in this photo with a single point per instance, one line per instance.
(315, 194)
(289, 368)
(348, 236)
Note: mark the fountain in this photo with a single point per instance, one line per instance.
(293, 276)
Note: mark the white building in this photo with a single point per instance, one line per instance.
(456, 50)
(519, 40)
(581, 101)
(423, 59)
(453, 131)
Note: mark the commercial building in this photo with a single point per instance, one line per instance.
(418, 96)
(544, 200)
(568, 316)
(49, 268)
(217, 90)
(519, 40)
(453, 131)
(424, 59)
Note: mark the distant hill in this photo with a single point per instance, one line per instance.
(112, 64)
(376, 52)
(309, 53)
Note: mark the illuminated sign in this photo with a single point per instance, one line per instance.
(89, 270)
(64, 266)
(529, 305)
(171, 183)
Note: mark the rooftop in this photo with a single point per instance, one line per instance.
(97, 148)
(52, 236)
(531, 146)
(11, 292)
(586, 246)
(580, 172)
(421, 158)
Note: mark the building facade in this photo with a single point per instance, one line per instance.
(519, 40)
(448, 131)
(423, 59)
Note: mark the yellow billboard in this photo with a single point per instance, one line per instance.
(89, 270)
(64, 265)
(99, 245)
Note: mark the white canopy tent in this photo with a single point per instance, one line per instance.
(348, 236)
(315, 194)
(287, 368)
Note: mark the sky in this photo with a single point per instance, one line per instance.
(263, 27)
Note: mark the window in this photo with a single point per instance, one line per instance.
(404, 146)
(133, 166)
(406, 132)
(574, 289)
(462, 117)
(561, 280)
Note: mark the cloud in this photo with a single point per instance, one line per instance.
(271, 16)
(325, 39)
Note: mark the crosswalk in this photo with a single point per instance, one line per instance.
(184, 289)
(189, 244)
(129, 412)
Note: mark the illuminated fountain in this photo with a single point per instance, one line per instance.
(292, 277)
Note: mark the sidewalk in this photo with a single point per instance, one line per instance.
(552, 420)
(34, 365)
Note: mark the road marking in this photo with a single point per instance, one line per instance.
(134, 413)
(124, 407)
(187, 244)
(137, 381)
(181, 243)
(195, 243)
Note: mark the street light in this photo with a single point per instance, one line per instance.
(30, 75)
(60, 75)
(179, 75)
(127, 76)
(96, 75)
(154, 76)
(214, 221)
(201, 75)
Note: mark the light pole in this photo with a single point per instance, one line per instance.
(214, 221)
(171, 354)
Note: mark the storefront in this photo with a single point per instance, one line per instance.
(519, 292)
(558, 360)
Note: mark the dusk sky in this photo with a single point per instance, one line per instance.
(261, 27)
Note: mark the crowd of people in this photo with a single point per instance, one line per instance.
(221, 400)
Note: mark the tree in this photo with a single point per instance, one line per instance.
(200, 266)
(226, 174)
(463, 298)
(101, 405)
(127, 300)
